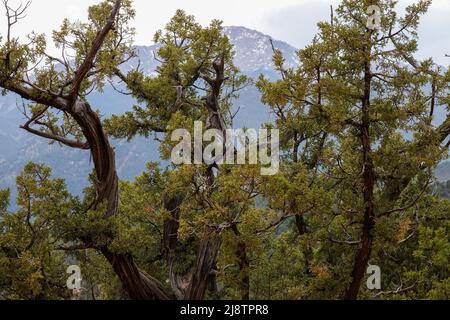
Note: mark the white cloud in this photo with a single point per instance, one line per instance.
(46, 15)
(293, 21)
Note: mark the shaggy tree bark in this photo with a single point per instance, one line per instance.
(136, 283)
(193, 284)
(216, 121)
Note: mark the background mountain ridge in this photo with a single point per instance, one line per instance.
(253, 55)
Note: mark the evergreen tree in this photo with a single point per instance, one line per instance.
(355, 187)
(361, 94)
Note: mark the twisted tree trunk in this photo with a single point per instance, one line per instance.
(193, 284)
(136, 283)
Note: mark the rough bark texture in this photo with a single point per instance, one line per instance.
(368, 182)
(193, 284)
(136, 283)
(216, 121)
(107, 181)
(363, 254)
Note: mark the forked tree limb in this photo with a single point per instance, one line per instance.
(137, 284)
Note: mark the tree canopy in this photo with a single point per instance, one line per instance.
(356, 184)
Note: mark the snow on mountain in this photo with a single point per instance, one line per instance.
(254, 52)
(253, 56)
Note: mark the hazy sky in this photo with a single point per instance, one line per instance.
(293, 21)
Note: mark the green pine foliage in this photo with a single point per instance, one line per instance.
(355, 185)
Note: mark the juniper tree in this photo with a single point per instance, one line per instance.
(362, 98)
(32, 267)
(59, 111)
(196, 81)
(359, 141)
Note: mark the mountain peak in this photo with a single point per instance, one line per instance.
(253, 50)
(236, 31)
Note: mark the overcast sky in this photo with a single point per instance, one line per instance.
(293, 21)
